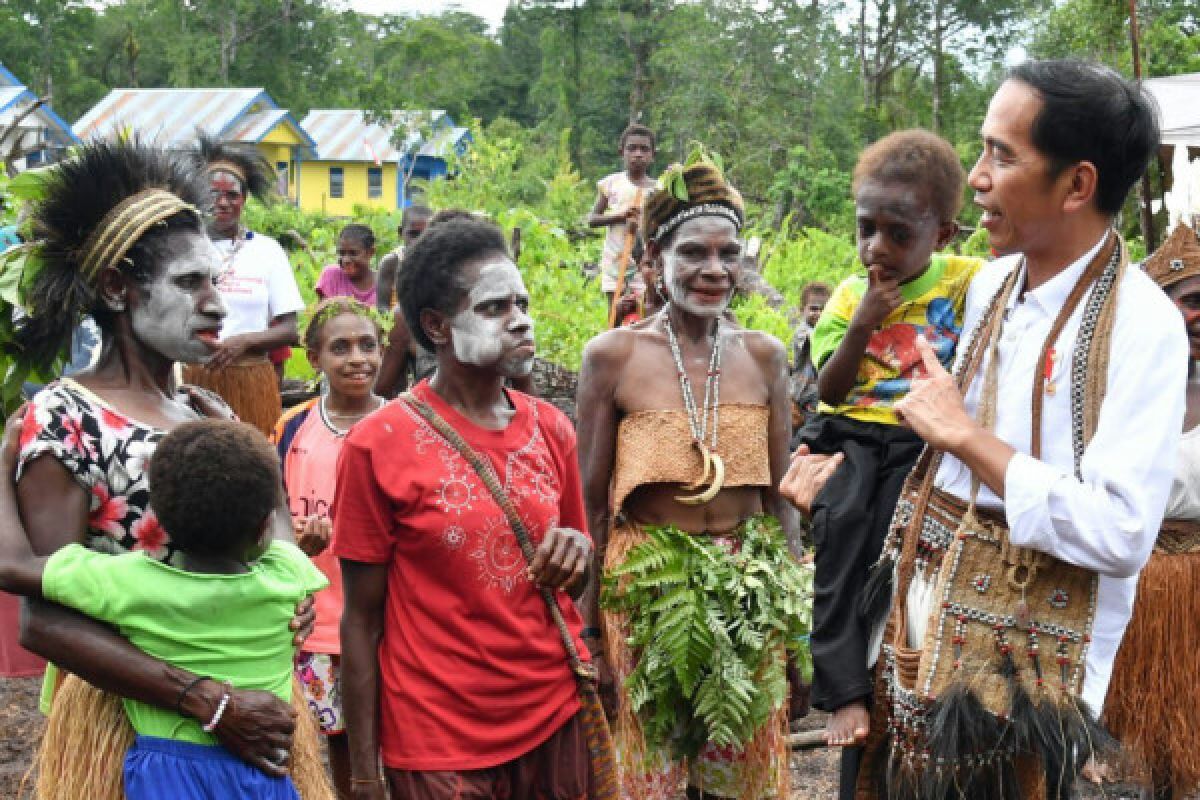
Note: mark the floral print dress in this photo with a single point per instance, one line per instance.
(108, 454)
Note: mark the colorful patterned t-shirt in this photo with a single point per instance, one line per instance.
(931, 304)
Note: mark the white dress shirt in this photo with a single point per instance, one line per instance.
(1108, 521)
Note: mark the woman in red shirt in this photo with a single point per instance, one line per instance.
(452, 668)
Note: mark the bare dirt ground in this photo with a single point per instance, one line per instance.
(814, 772)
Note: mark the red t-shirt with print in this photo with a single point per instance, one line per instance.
(472, 670)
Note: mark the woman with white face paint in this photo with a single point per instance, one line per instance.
(445, 628)
(256, 284)
(684, 425)
(119, 236)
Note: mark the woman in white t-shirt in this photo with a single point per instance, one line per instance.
(257, 285)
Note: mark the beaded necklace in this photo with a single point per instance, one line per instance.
(227, 259)
(698, 417)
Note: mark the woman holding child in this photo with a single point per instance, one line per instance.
(661, 454)
(119, 236)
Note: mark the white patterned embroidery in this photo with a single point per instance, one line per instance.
(456, 494)
(498, 555)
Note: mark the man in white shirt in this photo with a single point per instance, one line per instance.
(1063, 142)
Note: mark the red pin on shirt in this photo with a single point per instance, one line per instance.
(1048, 372)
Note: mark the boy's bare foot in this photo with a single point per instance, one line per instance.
(848, 725)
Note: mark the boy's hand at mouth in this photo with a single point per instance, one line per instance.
(881, 298)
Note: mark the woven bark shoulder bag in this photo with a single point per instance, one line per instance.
(1000, 667)
(595, 725)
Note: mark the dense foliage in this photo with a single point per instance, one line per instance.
(710, 627)
(788, 91)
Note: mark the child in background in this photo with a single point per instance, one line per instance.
(635, 307)
(616, 210)
(908, 189)
(343, 344)
(412, 224)
(223, 613)
(803, 373)
(352, 276)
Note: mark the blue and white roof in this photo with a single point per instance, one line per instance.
(172, 117)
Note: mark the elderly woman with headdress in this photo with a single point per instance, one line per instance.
(117, 234)
(1153, 705)
(257, 285)
(683, 431)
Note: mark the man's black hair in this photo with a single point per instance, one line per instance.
(1090, 113)
(429, 274)
(212, 483)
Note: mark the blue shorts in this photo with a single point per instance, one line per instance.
(156, 768)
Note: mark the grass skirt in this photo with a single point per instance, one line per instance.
(82, 754)
(251, 389)
(759, 770)
(1153, 704)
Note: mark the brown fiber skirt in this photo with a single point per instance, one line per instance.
(251, 389)
(82, 755)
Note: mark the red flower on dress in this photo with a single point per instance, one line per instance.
(112, 421)
(109, 513)
(74, 437)
(30, 427)
(150, 535)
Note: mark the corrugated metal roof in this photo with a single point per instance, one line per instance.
(43, 122)
(442, 142)
(345, 134)
(10, 95)
(172, 117)
(255, 125)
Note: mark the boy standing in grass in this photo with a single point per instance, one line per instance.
(907, 191)
(617, 208)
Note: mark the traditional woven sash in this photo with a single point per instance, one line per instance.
(1001, 662)
(595, 724)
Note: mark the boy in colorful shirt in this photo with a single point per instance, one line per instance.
(907, 189)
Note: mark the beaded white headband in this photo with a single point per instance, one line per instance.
(703, 210)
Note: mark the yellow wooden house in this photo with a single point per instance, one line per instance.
(355, 165)
(358, 162)
(173, 117)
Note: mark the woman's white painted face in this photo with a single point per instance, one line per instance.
(493, 329)
(701, 264)
(178, 312)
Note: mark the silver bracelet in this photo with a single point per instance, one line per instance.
(216, 718)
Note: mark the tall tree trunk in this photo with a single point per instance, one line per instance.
(938, 67)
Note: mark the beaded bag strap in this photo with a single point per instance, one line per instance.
(488, 475)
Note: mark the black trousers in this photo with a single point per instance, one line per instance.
(850, 518)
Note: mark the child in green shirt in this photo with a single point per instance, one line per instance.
(223, 613)
(907, 190)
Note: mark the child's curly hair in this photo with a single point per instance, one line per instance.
(212, 483)
(916, 157)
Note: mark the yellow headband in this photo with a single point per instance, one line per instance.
(127, 222)
(230, 167)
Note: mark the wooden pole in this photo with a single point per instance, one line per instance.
(623, 264)
(1147, 215)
